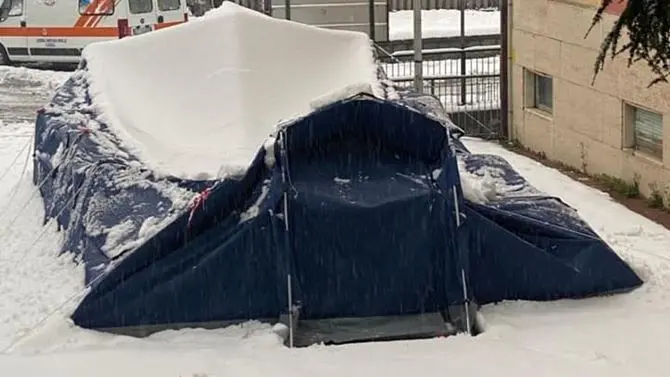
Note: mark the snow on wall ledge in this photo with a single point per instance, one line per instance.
(197, 100)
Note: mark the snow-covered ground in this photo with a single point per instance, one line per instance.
(27, 251)
(439, 23)
(624, 335)
(23, 90)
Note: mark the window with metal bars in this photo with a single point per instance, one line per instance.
(539, 91)
(645, 131)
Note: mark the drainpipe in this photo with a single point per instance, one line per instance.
(506, 69)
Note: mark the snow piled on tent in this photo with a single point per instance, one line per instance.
(120, 156)
(102, 196)
(207, 118)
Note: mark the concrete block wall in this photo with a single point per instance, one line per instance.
(586, 127)
(352, 15)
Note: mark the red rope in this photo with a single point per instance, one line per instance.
(84, 130)
(198, 202)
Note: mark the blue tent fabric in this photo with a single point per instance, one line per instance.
(536, 244)
(224, 260)
(89, 183)
(362, 208)
(364, 199)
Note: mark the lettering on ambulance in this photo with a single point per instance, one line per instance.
(51, 42)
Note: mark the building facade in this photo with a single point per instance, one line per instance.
(614, 125)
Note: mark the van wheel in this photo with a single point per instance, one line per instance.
(4, 58)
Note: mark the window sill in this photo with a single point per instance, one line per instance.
(655, 160)
(540, 113)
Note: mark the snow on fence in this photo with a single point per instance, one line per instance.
(474, 85)
(467, 82)
(394, 5)
(444, 23)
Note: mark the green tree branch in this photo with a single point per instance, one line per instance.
(647, 23)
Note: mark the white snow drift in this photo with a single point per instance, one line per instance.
(197, 100)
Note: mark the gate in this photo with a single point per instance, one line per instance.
(467, 79)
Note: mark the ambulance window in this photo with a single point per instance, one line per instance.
(167, 5)
(17, 8)
(10, 8)
(140, 6)
(103, 8)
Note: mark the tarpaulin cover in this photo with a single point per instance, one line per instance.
(360, 203)
(536, 247)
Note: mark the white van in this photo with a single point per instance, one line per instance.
(56, 31)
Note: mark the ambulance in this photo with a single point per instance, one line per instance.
(56, 31)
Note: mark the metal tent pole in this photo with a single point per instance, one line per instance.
(289, 285)
(290, 310)
(464, 281)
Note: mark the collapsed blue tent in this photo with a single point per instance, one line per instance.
(356, 213)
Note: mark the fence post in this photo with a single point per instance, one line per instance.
(287, 9)
(371, 12)
(418, 48)
(463, 54)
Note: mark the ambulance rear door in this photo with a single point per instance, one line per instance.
(170, 12)
(142, 16)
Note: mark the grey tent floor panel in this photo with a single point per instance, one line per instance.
(328, 331)
(352, 330)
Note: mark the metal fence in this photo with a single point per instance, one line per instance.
(394, 5)
(466, 81)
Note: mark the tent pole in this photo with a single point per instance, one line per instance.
(290, 311)
(457, 210)
(465, 296)
(289, 286)
(463, 279)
